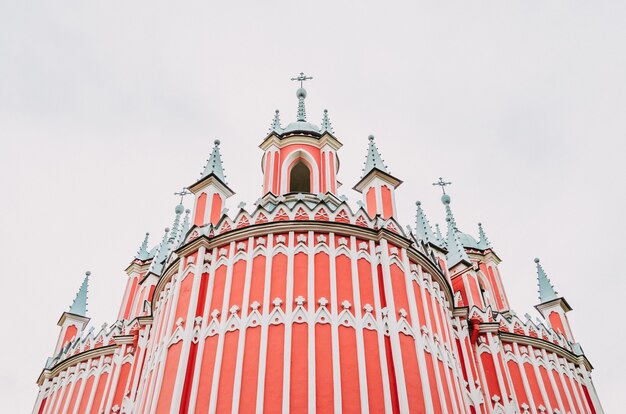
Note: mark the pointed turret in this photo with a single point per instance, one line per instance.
(143, 253)
(214, 164)
(79, 306)
(422, 226)
(326, 125)
(377, 185)
(546, 290)
(74, 321)
(552, 306)
(301, 157)
(211, 190)
(483, 241)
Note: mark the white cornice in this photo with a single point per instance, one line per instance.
(339, 228)
(75, 359)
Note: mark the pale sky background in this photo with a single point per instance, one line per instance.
(107, 108)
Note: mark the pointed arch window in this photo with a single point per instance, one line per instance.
(300, 178)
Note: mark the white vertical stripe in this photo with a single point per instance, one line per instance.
(245, 306)
(381, 335)
(264, 324)
(334, 337)
(393, 328)
(419, 346)
(181, 372)
(175, 292)
(205, 322)
(288, 325)
(360, 347)
(312, 303)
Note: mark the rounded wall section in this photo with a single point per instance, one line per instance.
(306, 321)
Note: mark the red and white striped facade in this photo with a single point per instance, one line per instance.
(306, 304)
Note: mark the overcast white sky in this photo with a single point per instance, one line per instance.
(107, 108)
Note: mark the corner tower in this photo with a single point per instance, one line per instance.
(302, 157)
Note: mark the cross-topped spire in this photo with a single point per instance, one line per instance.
(182, 193)
(301, 94)
(302, 78)
(442, 184)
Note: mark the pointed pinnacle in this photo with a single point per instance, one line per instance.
(326, 125)
(79, 305)
(275, 126)
(546, 290)
(456, 251)
(422, 226)
(142, 253)
(373, 159)
(184, 228)
(214, 164)
(483, 241)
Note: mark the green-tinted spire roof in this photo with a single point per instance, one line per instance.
(326, 125)
(185, 228)
(214, 164)
(438, 237)
(275, 126)
(456, 251)
(422, 226)
(176, 226)
(546, 290)
(483, 241)
(79, 306)
(373, 159)
(157, 263)
(143, 253)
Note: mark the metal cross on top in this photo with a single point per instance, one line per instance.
(184, 192)
(302, 78)
(442, 184)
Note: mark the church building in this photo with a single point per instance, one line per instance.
(303, 302)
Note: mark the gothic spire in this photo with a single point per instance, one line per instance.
(546, 290)
(143, 253)
(373, 158)
(79, 306)
(275, 126)
(214, 164)
(483, 241)
(422, 226)
(326, 125)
